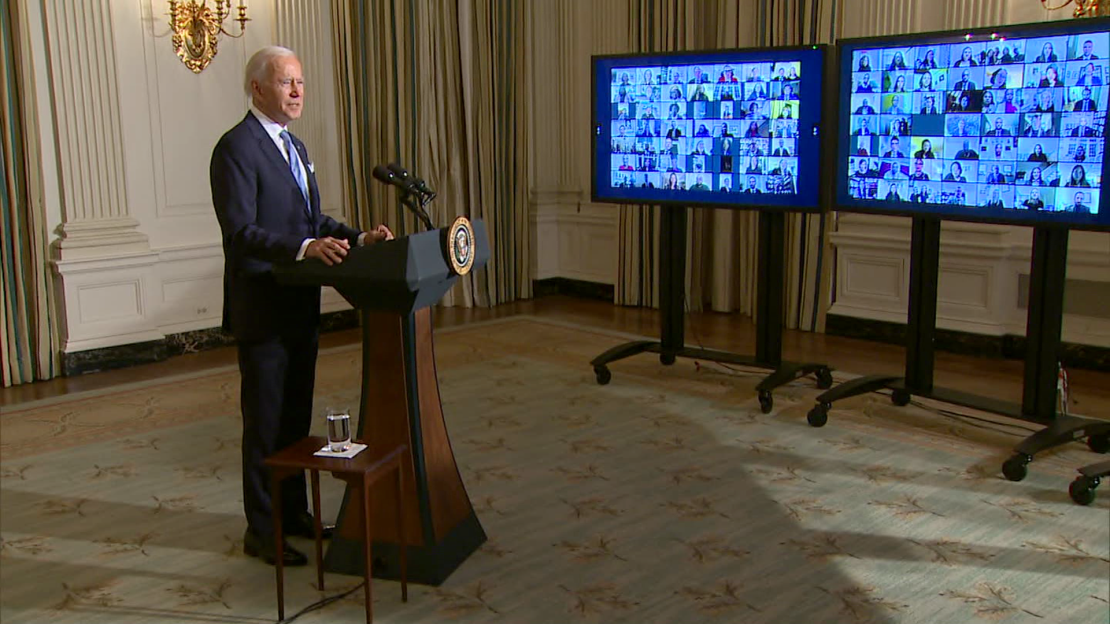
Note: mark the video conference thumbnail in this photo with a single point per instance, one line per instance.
(1007, 123)
(725, 127)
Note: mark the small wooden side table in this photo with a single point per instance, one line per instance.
(362, 470)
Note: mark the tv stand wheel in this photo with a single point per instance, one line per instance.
(766, 402)
(824, 378)
(603, 375)
(1016, 468)
(666, 359)
(900, 397)
(1099, 443)
(1082, 490)
(819, 415)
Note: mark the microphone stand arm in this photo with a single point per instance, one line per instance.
(410, 199)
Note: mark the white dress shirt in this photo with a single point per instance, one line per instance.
(274, 130)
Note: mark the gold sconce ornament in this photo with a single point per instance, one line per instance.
(1083, 8)
(196, 27)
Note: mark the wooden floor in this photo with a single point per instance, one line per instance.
(995, 378)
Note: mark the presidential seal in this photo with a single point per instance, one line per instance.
(460, 246)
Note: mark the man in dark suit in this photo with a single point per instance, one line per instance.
(1084, 129)
(998, 130)
(268, 205)
(1087, 104)
(895, 150)
(965, 83)
(1088, 51)
(1077, 205)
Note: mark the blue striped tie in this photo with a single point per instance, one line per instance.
(295, 166)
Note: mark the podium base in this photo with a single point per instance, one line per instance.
(427, 564)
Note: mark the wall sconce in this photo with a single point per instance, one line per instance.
(196, 27)
(1083, 8)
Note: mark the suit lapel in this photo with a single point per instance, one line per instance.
(273, 154)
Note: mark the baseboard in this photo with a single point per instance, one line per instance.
(123, 356)
(1010, 346)
(574, 288)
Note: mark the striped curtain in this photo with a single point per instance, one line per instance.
(808, 251)
(441, 88)
(29, 339)
(722, 244)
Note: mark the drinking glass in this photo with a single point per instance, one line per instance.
(339, 430)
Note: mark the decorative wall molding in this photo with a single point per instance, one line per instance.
(980, 272)
(109, 301)
(84, 93)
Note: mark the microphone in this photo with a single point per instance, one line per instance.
(410, 181)
(385, 175)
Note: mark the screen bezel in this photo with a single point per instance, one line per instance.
(814, 200)
(843, 78)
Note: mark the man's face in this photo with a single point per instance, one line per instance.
(997, 123)
(1079, 198)
(1087, 47)
(966, 74)
(894, 144)
(280, 94)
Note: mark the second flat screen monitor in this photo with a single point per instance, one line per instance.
(728, 128)
(982, 126)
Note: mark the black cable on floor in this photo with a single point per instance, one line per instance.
(323, 602)
(697, 339)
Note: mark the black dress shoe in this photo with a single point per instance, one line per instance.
(300, 525)
(261, 546)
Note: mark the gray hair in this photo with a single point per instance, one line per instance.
(259, 64)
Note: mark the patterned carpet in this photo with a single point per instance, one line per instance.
(665, 496)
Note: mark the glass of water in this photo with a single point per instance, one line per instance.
(339, 430)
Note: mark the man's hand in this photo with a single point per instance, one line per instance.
(378, 234)
(330, 250)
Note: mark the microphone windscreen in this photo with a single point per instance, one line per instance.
(399, 171)
(383, 174)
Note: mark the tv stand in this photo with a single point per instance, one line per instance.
(769, 311)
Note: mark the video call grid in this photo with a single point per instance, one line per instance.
(1012, 124)
(727, 127)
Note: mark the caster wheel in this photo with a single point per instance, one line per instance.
(901, 398)
(1016, 468)
(603, 375)
(766, 402)
(818, 416)
(1099, 443)
(824, 379)
(666, 359)
(1082, 490)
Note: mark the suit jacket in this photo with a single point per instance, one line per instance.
(264, 221)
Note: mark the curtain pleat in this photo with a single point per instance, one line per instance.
(439, 87)
(29, 342)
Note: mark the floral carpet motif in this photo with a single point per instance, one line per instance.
(664, 496)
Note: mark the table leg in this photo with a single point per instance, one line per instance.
(279, 543)
(367, 548)
(401, 533)
(318, 529)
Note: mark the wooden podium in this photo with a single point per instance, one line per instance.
(393, 284)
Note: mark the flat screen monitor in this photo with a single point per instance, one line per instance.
(998, 125)
(737, 128)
